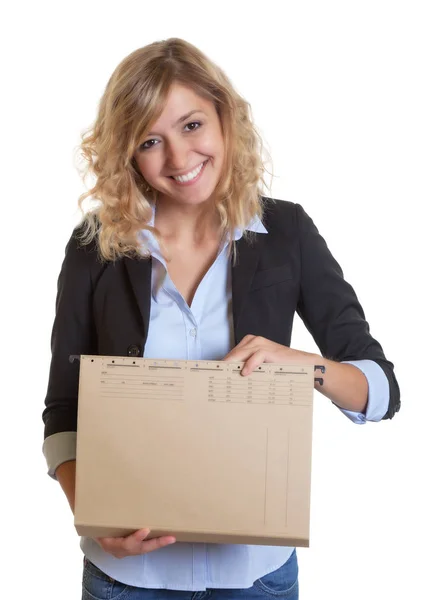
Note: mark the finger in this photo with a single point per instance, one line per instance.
(109, 541)
(238, 355)
(141, 534)
(253, 362)
(242, 354)
(113, 544)
(156, 543)
(132, 542)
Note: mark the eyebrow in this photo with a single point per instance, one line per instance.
(181, 119)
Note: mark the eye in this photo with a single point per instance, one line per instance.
(193, 125)
(147, 145)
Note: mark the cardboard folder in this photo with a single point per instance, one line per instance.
(195, 450)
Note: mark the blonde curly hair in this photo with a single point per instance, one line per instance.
(133, 100)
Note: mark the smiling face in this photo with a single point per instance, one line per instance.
(182, 156)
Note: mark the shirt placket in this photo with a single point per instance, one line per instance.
(205, 287)
(192, 318)
(193, 345)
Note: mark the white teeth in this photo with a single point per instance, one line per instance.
(189, 176)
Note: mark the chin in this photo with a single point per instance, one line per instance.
(189, 197)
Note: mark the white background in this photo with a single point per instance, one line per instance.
(335, 91)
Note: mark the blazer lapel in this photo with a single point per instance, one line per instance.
(139, 272)
(243, 271)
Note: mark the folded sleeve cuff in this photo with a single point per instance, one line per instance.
(59, 448)
(378, 392)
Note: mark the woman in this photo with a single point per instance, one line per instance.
(184, 258)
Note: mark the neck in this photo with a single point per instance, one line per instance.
(186, 224)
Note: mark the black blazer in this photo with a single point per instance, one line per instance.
(103, 308)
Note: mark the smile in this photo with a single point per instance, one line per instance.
(190, 177)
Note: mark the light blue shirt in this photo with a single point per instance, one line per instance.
(205, 331)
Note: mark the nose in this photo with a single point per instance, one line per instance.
(176, 155)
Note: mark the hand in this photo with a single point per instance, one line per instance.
(254, 350)
(133, 544)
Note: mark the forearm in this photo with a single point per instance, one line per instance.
(65, 474)
(343, 384)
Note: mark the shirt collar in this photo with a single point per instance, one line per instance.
(255, 225)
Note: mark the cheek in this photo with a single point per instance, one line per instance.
(148, 166)
(212, 145)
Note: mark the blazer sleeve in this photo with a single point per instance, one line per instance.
(73, 334)
(331, 311)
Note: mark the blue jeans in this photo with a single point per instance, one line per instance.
(282, 583)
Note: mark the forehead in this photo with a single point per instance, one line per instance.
(180, 101)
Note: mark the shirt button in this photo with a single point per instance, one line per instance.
(192, 332)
